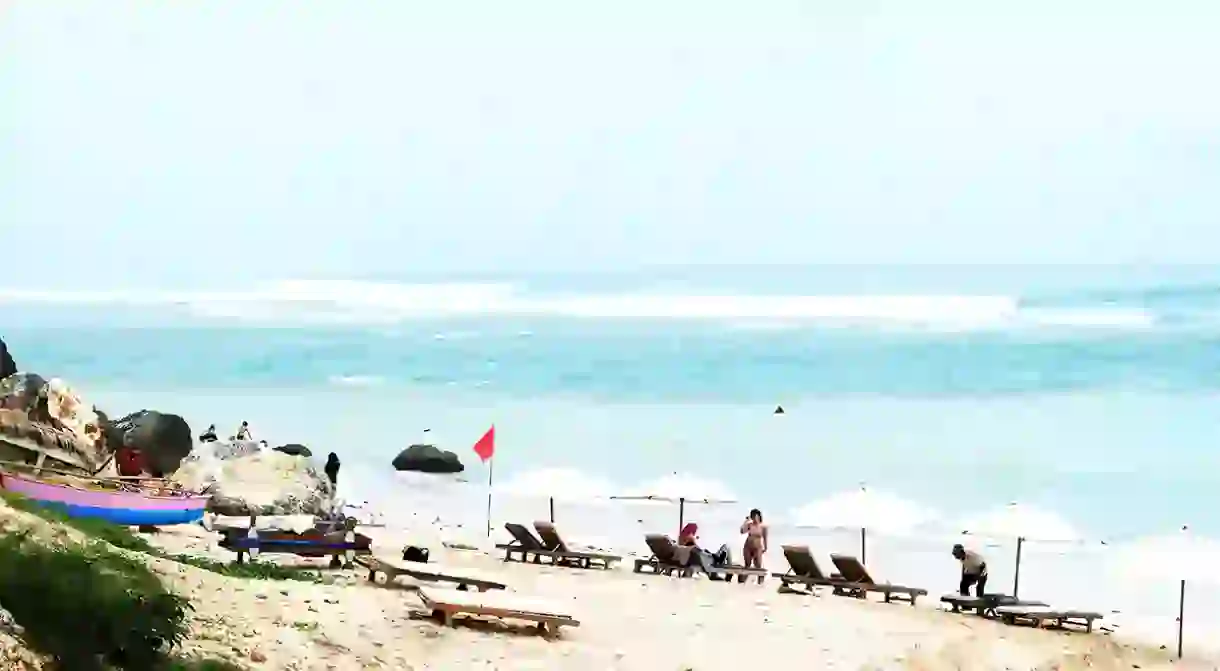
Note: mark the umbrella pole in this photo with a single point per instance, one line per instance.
(681, 515)
(1016, 574)
(863, 546)
(552, 510)
(1181, 614)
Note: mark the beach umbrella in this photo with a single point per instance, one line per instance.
(681, 489)
(1023, 522)
(863, 509)
(1180, 556)
(563, 484)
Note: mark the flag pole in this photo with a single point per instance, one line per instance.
(491, 469)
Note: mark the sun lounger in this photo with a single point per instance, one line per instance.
(1038, 615)
(985, 605)
(667, 559)
(551, 540)
(342, 546)
(446, 603)
(804, 570)
(392, 568)
(527, 545)
(854, 572)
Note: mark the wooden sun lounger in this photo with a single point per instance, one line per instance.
(804, 571)
(854, 572)
(1038, 615)
(526, 545)
(551, 540)
(445, 604)
(392, 568)
(986, 605)
(664, 561)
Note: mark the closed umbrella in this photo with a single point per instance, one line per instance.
(1023, 522)
(863, 509)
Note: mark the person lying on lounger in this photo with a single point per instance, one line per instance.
(688, 540)
(974, 571)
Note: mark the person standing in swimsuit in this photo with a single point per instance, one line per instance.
(756, 540)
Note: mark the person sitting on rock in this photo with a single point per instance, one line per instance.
(243, 431)
(209, 436)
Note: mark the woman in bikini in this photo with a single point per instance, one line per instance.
(756, 540)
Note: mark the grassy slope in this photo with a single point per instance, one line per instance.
(85, 598)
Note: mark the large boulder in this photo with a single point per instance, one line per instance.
(260, 482)
(295, 449)
(163, 440)
(46, 416)
(427, 459)
(7, 365)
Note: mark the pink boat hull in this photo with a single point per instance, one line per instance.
(126, 508)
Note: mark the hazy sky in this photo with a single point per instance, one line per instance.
(180, 139)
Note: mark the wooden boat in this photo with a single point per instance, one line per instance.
(126, 502)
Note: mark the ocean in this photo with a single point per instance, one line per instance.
(1086, 395)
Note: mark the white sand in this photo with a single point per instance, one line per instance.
(628, 621)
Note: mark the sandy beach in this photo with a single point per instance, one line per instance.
(628, 621)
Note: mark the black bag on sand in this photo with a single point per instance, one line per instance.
(415, 554)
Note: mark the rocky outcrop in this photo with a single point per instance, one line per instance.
(427, 459)
(7, 365)
(46, 416)
(295, 449)
(163, 440)
(256, 482)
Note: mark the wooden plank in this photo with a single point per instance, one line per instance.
(445, 603)
(426, 571)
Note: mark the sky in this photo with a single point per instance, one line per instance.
(188, 141)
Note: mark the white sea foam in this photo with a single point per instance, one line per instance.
(377, 303)
(1019, 520)
(355, 380)
(566, 484)
(865, 508)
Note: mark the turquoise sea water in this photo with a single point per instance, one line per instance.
(1088, 391)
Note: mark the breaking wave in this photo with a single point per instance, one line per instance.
(345, 301)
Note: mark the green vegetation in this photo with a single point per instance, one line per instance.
(122, 537)
(91, 608)
(88, 606)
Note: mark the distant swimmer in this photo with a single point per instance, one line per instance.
(974, 571)
(243, 432)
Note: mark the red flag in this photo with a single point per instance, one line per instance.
(486, 447)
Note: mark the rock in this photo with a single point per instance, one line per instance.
(164, 440)
(427, 459)
(227, 449)
(256, 482)
(47, 416)
(7, 365)
(295, 449)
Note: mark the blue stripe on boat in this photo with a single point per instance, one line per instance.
(249, 543)
(127, 517)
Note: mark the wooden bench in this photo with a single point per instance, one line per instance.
(446, 604)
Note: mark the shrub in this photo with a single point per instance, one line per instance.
(88, 606)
